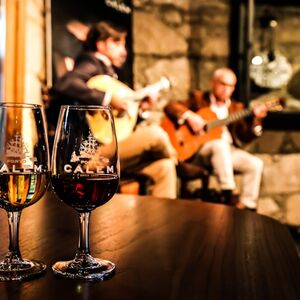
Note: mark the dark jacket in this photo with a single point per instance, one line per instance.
(71, 88)
(241, 130)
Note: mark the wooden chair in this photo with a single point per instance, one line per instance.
(187, 172)
(134, 183)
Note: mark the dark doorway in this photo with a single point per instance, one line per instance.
(72, 13)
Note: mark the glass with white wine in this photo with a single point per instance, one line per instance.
(24, 177)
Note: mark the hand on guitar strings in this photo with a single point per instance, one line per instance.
(147, 104)
(194, 121)
(120, 105)
(149, 100)
(260, 111)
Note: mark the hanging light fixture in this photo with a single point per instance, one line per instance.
(118, 5)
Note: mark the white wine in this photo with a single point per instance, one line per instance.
(19, 190)
(24, 178)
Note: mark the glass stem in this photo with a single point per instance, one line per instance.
(13, 254)
(83, 251)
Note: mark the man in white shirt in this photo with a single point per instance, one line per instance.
(223, 153)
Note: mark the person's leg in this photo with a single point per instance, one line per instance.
(219, 153)
(152, 139)
(251, 168)
(163, 173)
(150, 149)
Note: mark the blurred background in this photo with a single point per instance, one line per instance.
(185, 41)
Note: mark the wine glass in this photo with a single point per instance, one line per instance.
(24, 177)
(85, 175)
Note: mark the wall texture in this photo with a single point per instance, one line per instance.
(186, 40)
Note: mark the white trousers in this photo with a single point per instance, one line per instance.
(154, 141)
(225, 159)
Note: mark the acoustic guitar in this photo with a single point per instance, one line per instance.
(188, 143)
(124, 122)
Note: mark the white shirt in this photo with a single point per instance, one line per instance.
(221, 110)
(107, 98)
(104, 59)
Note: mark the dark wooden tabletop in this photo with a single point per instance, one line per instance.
(163, 249)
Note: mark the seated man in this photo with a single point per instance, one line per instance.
(105, 49)
(222, 151)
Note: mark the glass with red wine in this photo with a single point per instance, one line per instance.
(24, 178)
(85, 175)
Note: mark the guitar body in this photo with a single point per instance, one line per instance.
(185, 141)
(124, 123)
(106, 83)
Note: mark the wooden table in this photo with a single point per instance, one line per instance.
(163, 249)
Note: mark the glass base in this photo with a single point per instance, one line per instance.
(21, 270)
(91, 269)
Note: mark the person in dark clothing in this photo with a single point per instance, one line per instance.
(103, 50)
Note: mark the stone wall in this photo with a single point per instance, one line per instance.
(280, 189)
(187, 40)
(183, 40)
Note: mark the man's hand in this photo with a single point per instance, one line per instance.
(260, 111)
(118, 104)
(194, 121)
(148, 102)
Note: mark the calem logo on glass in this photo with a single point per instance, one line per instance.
(89, 160)
(19, 158)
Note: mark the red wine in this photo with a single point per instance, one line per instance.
(85, 193)
(19, 190)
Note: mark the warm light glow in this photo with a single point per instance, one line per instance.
(131, 203)
(2, 44)
(2, 31)
(79, 289)
(118, 5)
(257, 60)
(273, 23)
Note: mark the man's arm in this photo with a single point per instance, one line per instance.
(246, 130)
(73, 84)
(183, 112)
(175, 109)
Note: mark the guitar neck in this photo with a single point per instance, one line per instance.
(146, 91)
(142, 93)
(230, 119)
